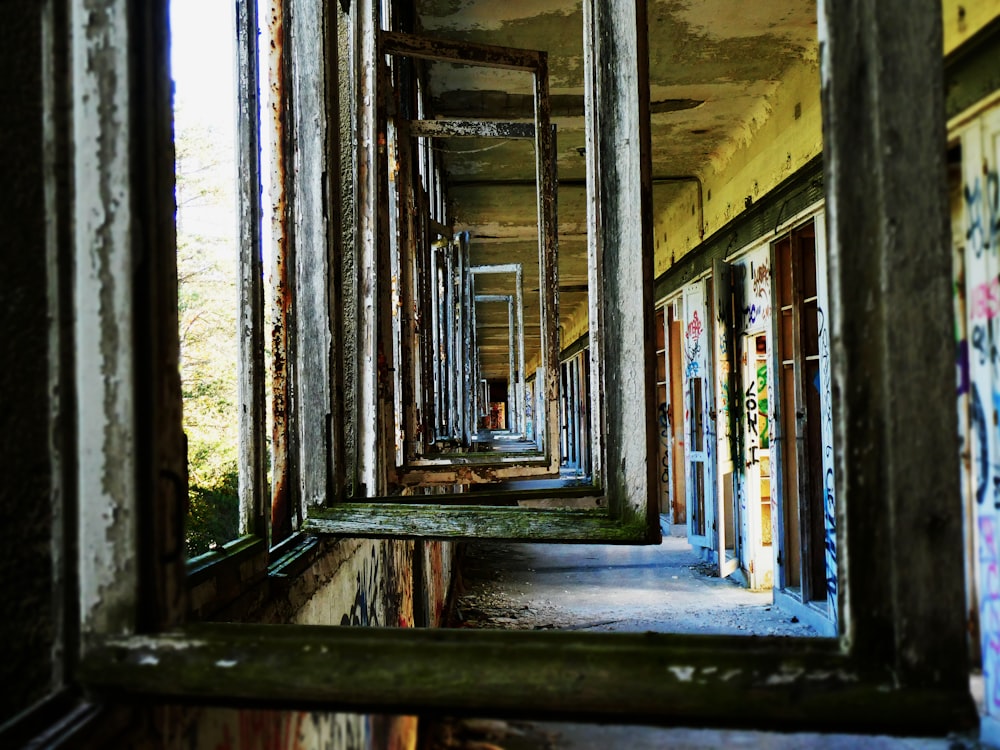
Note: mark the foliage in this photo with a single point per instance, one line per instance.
(213, 515)
(207, 270)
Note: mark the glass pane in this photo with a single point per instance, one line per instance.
(207, 263)
(697, 416)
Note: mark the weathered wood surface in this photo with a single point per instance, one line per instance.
(456, 522)
(472, 129)
(251, 366)
(621, 677)
(496, 497)
(433, 48)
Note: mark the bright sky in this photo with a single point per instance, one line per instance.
(203, 64)
(203, 60)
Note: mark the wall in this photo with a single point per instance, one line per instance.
(752, 270)
(978, 380)
(779, 139)
(366, 583)
(964, 18)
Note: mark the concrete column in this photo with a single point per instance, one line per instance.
(892, 336)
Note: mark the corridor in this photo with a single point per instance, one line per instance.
(664, 588)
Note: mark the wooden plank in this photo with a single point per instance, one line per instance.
(107, 244)
(648, 678)
(472, 129)
(458, 522)
(548, 265)
(316, 238)
(595, 257)
(450, 50)
(437, 227)
(507, 497)
(160, 446)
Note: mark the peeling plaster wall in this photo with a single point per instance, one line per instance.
(356, 582)
(784, 134)
(963, 18)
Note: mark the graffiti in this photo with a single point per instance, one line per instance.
(695, 327)
(977, 420)
(757, 290)
(756, 313)
(962, 366)
(724, 405)
(984, 225)
(830, 498)
(761, 279)
(346, 731)
(364, 609)
(830, 541)
(752, 444)
(692, 346)
(978, 375)
(264, 730)
(974, 235)
(663, 420)
(765, 434)
(989, 607)
(984, 343)
(986, 300)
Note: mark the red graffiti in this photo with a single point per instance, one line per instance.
(761, 277)
(695, 327)
(986, 300)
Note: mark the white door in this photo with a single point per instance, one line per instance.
(981, 193)
(699, 423)
(759, 559)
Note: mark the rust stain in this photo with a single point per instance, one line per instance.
(281, 510)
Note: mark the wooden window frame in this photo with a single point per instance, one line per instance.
(616, 512)
(219, 576)
(898, 664)
(473, 467)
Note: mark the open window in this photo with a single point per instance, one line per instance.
(437, 441)
(899, 661)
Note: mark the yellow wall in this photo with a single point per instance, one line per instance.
(963, 18)
(781, 137)
(771, 146)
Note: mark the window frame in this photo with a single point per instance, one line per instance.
(898, 664)
(217, 577)
(408, 46)
(620, 513)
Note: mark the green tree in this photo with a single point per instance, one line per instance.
(207, 266)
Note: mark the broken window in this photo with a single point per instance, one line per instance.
(221, 298)
(437, 323)
(207, 268)
(900, 663)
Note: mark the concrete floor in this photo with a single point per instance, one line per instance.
(666, 588)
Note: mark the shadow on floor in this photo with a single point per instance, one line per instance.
(664, 588)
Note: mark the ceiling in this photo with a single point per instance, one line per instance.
(714, 66)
